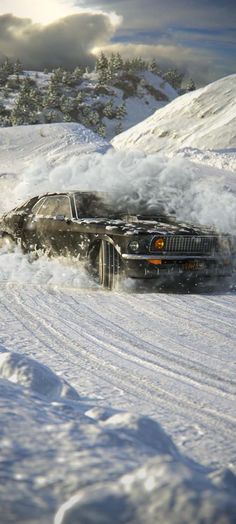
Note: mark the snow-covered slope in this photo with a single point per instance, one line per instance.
(116, 408)
(107, 108)
(50, 144)
(203, 119)
(141, 94)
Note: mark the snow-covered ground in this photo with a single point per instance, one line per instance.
(141, 368)
(116, 407)
(204, 119)
(141, 94)
(49, 145)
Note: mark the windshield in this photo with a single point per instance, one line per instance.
(104, 205)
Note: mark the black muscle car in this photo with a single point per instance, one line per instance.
(116, 238)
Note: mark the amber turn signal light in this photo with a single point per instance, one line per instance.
(159, 243)
(155, 262)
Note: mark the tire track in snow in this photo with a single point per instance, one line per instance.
(164, 366)
(180, 305)
(169, 357)
(124, 380)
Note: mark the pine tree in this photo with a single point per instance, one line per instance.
(115, 63)
(5, 121)
(57, 75)
(52, 97)
(137, 64)
(190, 86)
(50, 116)
(78, 74)
(121, 111)
(118, 62)
(174, 78)
(101, 62)
(6, 91)
(101, 130)
(94, 118)
(4, 116)
(108, 110)
(103, 70)
(79, 98)
(3, 77)
(27, 83)
(118, 128)
(68, 106)
(8, 66)
(18, 67)
(2, 108)
(68, 79)
(27, 106)
(154, 68)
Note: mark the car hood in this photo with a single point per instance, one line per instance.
(136, 226)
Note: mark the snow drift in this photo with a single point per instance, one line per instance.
(203, 119)
(148, 494)
(35, 376)
(50, 144)
(87, 469)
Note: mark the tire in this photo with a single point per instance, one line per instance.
(109, 265)
(7, 243)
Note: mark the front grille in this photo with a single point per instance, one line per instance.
(182, 244)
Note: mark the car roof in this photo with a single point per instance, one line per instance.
(71, 192)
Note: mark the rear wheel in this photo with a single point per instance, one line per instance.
(109, 265)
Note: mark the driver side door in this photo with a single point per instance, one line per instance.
(48, 225)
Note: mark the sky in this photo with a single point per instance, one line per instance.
(196, 36)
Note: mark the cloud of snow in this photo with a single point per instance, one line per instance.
(196, 193)
(58, 273)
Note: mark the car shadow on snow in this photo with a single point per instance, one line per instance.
(190, 286)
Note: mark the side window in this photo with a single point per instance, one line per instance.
(37, 206)
(55, 205)
(89, 205)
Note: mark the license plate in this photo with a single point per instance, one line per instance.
(194, 265)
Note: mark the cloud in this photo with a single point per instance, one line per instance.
(199, 64)
(44, 11)
(66, 42)
(196, 36)
(211, 14)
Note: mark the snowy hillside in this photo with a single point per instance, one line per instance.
(204, 119)
(107, 102)
(51, 144)
(117, 408)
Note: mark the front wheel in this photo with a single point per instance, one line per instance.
(109, 265)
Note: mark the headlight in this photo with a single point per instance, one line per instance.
(134, 245)
(159, 243)
(224, 244)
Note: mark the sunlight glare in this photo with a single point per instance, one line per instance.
(43, 11)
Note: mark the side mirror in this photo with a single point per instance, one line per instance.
(62, 218)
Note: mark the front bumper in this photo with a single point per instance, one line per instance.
(142, 266)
